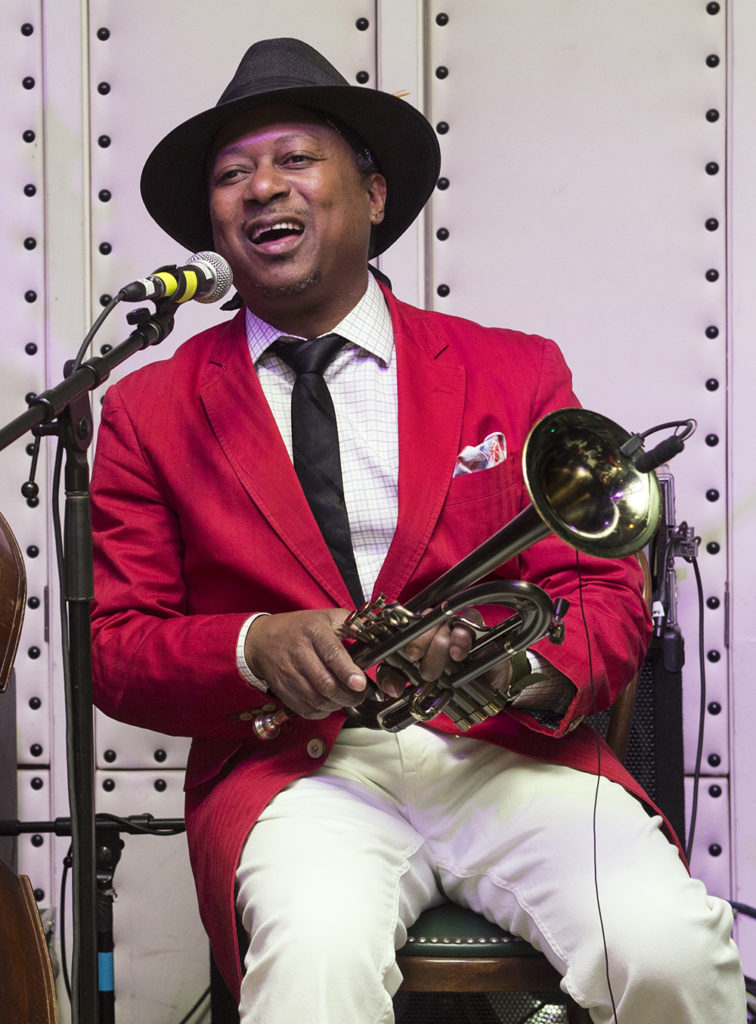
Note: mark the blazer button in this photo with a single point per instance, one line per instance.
(315, 748)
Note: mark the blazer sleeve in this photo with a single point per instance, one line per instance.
(608, 625)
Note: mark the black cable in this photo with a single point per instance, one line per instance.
(528, 1018)
(196, 1006)
(702, 712)
(596, 793)
(94, 329)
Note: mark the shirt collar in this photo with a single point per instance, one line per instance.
(367, 325)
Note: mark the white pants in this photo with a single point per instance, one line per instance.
(342, 862)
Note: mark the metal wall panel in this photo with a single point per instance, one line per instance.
(584, 155)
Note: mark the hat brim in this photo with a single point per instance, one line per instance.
(405, 148)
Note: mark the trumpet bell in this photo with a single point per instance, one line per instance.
(586, 490)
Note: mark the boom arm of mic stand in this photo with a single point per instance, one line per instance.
(69, 403)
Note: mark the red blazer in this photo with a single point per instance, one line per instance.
(199, 521)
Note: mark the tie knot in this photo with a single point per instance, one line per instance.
(311, 356)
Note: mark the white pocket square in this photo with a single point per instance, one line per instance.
(490, 452)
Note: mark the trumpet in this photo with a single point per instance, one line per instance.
(585, 487)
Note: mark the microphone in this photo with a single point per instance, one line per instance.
(206, 277)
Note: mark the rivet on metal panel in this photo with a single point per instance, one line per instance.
(362, 24)
(442, 72)
(712, 384)
(712, 494)
(37, 840)
(30, 243)
(39, 895)
(714, 707)
(442, 234)
(28, 82)
(104, 195)
(442, 19)
(104, 141)
(30, 348)
(714, 760)
(442, 183)
(712, 274)
(715, 791)
(28, 135)
(105, 299)
(108, 785)
(32, 551)
(27, 29)
(443, 290)
(109, 756)
(712, 224)
(712, 60)
(362, 77)
(712, 8)
(34, 652)
(103, 34)
(713, 603)
(714, 657)
(33, 602)
(161, 785)
(30, 190)
(103, 88)
(30, 296)
(105, 248)
(713, 547)
(35, 703)
(712, 167)
(442, 127)
(37, 783)
(36, 750)
(160, 755)
(715, 850)
(712, 115)
(712, 332)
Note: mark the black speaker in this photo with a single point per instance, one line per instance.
(655, 745)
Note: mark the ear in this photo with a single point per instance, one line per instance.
(375, 185)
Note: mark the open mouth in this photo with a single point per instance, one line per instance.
(275, 232)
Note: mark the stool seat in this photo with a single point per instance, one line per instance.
(453, 950)
(452, 931)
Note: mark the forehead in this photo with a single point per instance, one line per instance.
(272, 122)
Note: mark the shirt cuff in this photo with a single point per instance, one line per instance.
(241, 662)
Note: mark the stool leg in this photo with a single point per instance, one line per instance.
(576, 1014)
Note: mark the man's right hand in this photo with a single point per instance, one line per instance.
(303, 661)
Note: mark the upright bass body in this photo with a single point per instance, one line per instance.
(584, 488)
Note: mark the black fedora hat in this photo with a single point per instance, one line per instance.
(288, 71)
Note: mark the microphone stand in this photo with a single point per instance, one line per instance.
(68, 403)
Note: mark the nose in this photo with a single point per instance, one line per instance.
(267, 183)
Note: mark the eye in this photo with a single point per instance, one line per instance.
(227, 174)
(299, 159)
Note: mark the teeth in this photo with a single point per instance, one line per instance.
(281, 225)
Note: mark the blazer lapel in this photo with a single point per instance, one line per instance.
(431, 405)
(248, 434)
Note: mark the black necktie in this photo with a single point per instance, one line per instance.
(315, 448)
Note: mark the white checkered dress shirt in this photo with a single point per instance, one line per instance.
(362, 383)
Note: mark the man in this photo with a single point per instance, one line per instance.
(218, 595)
